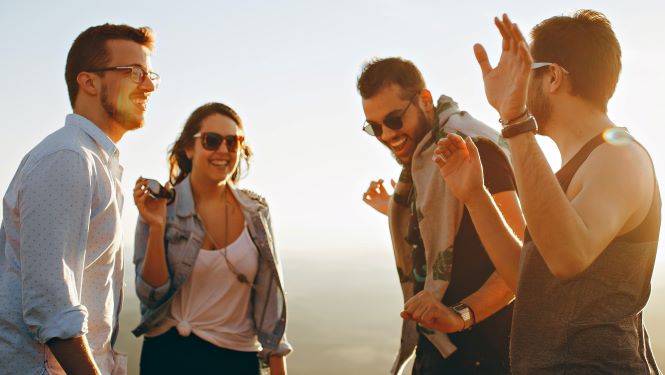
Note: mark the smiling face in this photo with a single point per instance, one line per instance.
(389, 102)
(124, 100)
(218, 165)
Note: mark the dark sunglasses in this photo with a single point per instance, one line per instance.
(392, 122)
(156, 191)
(212, 141)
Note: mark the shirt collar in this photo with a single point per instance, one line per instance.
(94, 132)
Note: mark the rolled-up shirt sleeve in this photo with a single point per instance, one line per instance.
(148, 295)
(55, 201)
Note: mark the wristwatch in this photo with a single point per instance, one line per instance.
(466, 314)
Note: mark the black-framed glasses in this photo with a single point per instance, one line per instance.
(391, 121)
(137, 73)
(211, 141)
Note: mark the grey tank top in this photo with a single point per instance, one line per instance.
(591, 323)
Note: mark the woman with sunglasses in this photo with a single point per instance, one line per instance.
(207, 275)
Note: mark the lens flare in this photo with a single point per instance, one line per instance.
(617, 136)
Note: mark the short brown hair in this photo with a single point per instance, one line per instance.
(379, 73)
(585, 45)
(181, 165)
(89, 50)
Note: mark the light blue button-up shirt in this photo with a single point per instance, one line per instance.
(60, 250)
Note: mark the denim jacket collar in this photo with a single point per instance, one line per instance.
(184, 200)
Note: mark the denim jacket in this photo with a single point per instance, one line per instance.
(183, 238)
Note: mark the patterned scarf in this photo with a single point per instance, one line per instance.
(424, 219)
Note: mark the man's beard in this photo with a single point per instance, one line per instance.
(539, 105)
(424, 126)
(122, 116)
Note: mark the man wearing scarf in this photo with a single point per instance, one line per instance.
(443, 269)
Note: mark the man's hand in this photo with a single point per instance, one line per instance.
(460, 166)
(423, 308)
(506, 85)
(377, 197)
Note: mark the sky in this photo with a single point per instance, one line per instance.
(289, 69)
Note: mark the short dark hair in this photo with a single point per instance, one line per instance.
(379, 73)
(89, 50)
(180, 165)
(585, 45)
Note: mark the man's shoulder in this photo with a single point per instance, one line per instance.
(66, 142)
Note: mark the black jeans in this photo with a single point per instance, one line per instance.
(171, 353)
(465, 361)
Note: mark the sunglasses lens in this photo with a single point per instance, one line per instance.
(153, 187)
(231, 143)
(211, 141)
(393, 122)
(372, 129)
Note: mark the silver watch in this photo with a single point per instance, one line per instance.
(466, 314)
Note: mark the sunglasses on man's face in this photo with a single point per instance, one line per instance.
(212, 141)
(391, 121)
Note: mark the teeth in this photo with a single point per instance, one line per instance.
(398, 143)
(220, 163)
(140, 101)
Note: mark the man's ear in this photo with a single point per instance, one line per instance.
(556, 78)
(88, 83)
(425, 97)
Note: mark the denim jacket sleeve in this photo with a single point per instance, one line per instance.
(283, 347)
(148, 295)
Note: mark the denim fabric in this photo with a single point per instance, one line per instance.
(183, 237)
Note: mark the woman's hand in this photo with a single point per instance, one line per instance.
(377, 197)
(153, 211)
(506, 84)
(459, 165)
(423, 308)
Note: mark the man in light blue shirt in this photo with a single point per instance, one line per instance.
(61, 267)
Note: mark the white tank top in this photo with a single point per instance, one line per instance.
(212, 303)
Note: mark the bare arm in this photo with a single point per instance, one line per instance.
(277, 365)
(613, 188)
(154, 269)
(74, 355)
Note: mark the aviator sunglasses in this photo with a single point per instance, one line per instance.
(212, 141)
(392, 122)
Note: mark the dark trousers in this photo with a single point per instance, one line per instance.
(465, 361)
(171, 353)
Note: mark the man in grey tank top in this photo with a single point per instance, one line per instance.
(582, 275)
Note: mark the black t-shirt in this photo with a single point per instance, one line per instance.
(488, 341)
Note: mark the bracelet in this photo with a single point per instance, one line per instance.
(525, 115)
(526, 126)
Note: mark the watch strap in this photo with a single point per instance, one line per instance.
(466, 313)
(526, 126)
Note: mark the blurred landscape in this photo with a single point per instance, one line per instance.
(344, 313)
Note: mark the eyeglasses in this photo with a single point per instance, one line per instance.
(392, 122)
(538, 65)
(156, 190)
(137, 73)
(212, 141)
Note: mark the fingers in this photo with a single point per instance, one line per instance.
(375, 190)
(393, 183)
(473, 150)
(481, 57)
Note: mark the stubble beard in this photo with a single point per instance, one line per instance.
(424, 126)
(123, 118)
(539, 105)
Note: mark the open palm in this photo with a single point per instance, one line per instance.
(506, 84)
(459, 165)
